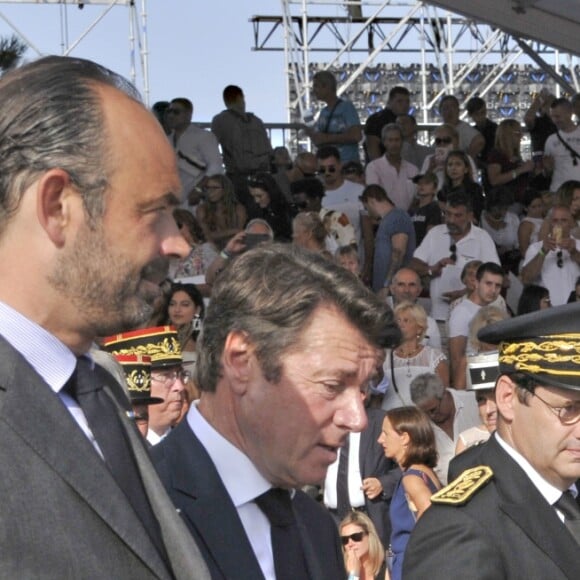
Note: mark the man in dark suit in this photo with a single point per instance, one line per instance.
(516, 514)
(86, 206)
(289, 343)
(378, 477)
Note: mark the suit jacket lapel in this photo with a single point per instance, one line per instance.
(528, 509)
(181, 548)
(39, 417)
(207, 505)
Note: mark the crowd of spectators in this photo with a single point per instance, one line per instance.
(439, 230)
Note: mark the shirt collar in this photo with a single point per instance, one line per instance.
(239, 475)
(550, 493)
(47, 355)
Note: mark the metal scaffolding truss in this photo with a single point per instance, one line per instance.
(137, 30)
(335, 35)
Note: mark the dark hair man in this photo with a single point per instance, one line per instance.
(289, 343)
(489, 281)
(88, 186)
(513, 513)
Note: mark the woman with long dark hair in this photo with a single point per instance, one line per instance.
(273, 207)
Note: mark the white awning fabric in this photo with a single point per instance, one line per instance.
(553, 22)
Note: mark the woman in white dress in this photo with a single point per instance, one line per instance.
(410, 358)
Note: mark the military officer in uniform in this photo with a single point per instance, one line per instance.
(515, 513)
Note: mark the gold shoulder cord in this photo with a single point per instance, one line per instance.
(460, 491)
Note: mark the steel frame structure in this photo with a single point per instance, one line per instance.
(452, 44)
(137, 31)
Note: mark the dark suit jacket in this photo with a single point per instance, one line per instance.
(196, 489)
(373, 463)
(62, 515)
(506, 530)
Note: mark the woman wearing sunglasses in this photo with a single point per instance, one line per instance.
(408, 438)
(364, 555)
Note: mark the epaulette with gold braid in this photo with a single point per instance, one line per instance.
(460, 490)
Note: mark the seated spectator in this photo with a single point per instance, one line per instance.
(485, 316)
(347, 257)
(451, 412)
(272, 205)
(305, 166)
(502, 225)
(411, 357)
(529, 228)
(554, 261)
(505, 165)
(533, 298)
(307, 196)
(364, 554)
(425, 211)
(489, 280)
(202, 253)
(408, 438)
(257, 231)
(185, 310)
(483, 371)
(354, 171)
(459, 177)
(309, 232)
(220, 214)
(445, 139)
(575, 294)
(406, 287)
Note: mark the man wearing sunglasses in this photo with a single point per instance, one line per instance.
(515, 513)
(555, 261)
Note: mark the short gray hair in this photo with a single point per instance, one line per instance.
(270, 293)
(51, 117)
(391, 127)
(426, 387)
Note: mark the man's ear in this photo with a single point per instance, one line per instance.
(505, 397)
(55, 201)
(238, 357)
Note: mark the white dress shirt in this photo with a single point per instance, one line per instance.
(243, 482)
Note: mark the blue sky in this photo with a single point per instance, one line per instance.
(196, 48)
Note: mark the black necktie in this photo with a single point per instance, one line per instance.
(289, 561)
(86, 386)
(569, 507)
(342, 496)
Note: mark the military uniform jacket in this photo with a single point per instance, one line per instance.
(506, 529)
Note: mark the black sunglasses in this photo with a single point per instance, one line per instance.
(453, 252)
(559, 259)
(329, 169)
(356, 537)
(443, 140)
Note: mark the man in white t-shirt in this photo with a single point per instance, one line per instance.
(470, 140)
(555, 261)
(343, 195)
(489, 278)
(562, 149)
(447, 248)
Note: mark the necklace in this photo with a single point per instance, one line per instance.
(409, 355)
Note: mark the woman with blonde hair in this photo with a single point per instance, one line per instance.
(411, 357)
(504, 162)
(308, 232)
(364, 555)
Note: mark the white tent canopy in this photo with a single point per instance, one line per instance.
(553, 22)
